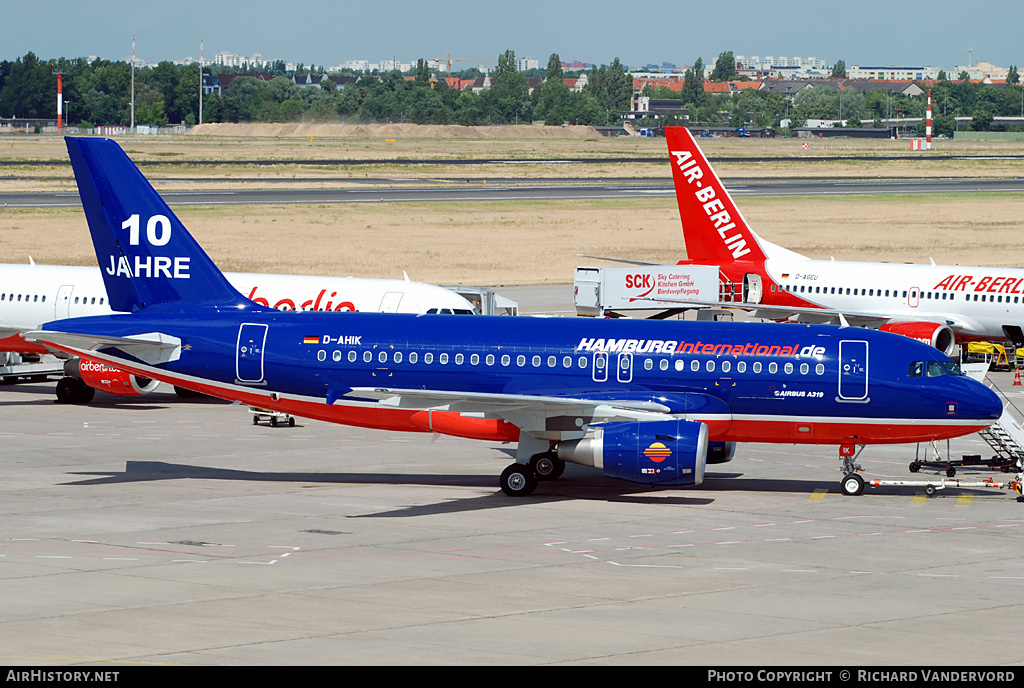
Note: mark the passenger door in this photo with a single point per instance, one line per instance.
(853, 370)
(249, 352)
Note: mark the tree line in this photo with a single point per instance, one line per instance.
(100, 93)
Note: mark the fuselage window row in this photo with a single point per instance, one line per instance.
(710, 365)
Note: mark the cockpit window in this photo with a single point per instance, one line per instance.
(934, 369)
(951, 368)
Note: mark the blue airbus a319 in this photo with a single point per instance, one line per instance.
(650, 402)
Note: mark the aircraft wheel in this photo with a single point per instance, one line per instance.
(67, 391)
(71, 390)
(950, 472)
(547, 467)
(915, 466)
(518, 480)
(852, 485)
(85, 393)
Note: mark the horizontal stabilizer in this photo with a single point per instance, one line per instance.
(151, 347)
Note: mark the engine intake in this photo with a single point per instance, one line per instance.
(662, 452)
(934, 334)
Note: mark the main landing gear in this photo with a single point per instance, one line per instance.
(71, 390)
(520, 480)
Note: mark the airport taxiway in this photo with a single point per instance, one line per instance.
(160, 531)
(468, 190)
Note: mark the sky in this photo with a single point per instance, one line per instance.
(940, 33)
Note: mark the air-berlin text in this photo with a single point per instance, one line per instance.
(714, 207)
(989, 283)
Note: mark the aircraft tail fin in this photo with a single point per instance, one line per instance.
(713, 228)
(146, 255)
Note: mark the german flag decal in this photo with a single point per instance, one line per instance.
(311, 340)
(657, 452)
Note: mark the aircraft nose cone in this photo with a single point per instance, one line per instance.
(991, 405)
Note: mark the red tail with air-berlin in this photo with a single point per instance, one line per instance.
(938, 304)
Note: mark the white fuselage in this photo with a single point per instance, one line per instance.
(973, 301)
(31, 295)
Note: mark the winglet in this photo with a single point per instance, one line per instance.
(713, 228)
(146, 255)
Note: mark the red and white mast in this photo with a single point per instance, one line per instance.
(928, 127)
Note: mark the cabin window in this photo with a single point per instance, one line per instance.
(789, 369)
(520, 360)
(321, 355)
(413, 357)
(567, 362)
(757, 366)
(741, 367)
(35, 299)
(694, 365)
(490, 359)
(382, 357)
(398, 357)
(428, 358)
(711, 366)
(505, 360)
(459, 358)
(679, 366)
(726, 366)
(443, 359)
(3, 297)
(552, 361)
(773, 367)
(474, 359)
(773, 288)
(101, 300)
(368, 356)
(352, 356)
(804, 368)
(820, 369)
(648, 364)
(536, 361)
(336, 356)
(664, 364)
(582, 362)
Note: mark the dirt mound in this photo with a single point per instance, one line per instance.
(432, 131)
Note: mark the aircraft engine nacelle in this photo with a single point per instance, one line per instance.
(935, 334)
(662, 452)
(106, 379)
(721, 452)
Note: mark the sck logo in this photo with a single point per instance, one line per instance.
(640, 281)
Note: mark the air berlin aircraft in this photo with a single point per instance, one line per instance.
(937, 304)
(643, 400)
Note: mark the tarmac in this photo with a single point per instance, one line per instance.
(159, 531)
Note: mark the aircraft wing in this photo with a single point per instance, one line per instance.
(532, 413)
(151, 347)
(771, 312)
